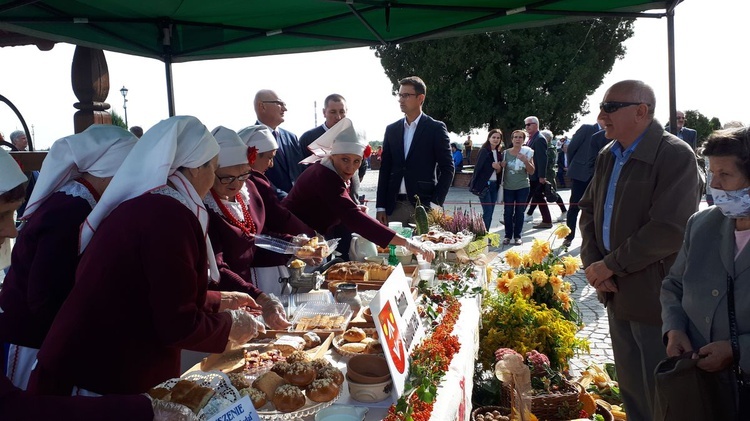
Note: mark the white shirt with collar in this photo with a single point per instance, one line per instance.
(409, 130)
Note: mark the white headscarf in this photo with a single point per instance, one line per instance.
(339, 139)
(11, 175)
(259, 137)
(180, 141)
(232, 150)
(99, 150)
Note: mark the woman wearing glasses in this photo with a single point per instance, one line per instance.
(236, 214)
(518, 164)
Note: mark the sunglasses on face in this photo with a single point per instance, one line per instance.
(277, 102)
(529, 124)
(611, 107)
(231, 179)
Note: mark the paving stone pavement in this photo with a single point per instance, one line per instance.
(596, 328)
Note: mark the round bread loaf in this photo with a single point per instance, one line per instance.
(332, 373)
(256, 396)
(320, 363)
(297, 356)
(288, 398)
(354, 334)
(301, 374)
(323, 390)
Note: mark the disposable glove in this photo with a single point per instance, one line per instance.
(244, 327)
(232, 300)
(273, 312)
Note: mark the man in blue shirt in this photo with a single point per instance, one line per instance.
(633, 215)
(458, 158)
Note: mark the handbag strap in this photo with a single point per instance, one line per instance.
(733, 331)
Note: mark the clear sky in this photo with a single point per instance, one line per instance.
(712, 63)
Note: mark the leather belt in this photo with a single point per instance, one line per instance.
(402, 198)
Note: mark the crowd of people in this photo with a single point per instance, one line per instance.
(132, 250)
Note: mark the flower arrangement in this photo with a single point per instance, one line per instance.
(538, 275)
(461, 220)
(513, 321)
(428, 364)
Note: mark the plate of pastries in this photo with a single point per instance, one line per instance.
(294, 388)
(355, 341)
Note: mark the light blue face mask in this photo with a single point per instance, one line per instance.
(733, 203)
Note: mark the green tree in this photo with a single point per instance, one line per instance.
(497, 79)
(117, 120)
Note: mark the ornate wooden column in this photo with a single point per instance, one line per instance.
(90, 80)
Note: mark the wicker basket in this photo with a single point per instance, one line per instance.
(487, 409)
(545, 407)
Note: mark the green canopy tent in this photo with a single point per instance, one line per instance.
(185, 30)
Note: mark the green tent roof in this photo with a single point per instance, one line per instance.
(187, 30)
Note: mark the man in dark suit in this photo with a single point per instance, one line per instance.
(538, 143)
(286, 168)
(690, 136)
(416, 158)
(582, 151)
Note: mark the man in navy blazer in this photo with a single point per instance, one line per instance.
(416, 158)
(582, 152)
(539, 144)
(690, 136)
(286, 167)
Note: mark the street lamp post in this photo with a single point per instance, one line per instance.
(124, 92)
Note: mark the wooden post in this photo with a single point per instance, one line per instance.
(90, 80)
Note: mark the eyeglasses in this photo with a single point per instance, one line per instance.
(529, 124)
(680, 118)
(406, 96)
(611, 107)
(232, 179)
(277, 102)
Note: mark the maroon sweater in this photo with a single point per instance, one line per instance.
(321, 200)
(43, 267)
(138, 301)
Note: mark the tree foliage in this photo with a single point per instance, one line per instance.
(117, 120)
(497, 79)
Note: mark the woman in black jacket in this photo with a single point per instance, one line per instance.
(488, 174)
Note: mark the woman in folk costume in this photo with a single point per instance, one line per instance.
(269, 267)
(16, 404)
(320, 197)
(74, 175)
(236, 214)
(140, 295)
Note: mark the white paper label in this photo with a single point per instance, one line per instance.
(242, 410)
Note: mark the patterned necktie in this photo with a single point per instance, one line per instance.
(279, 151)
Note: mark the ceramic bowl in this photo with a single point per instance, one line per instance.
(368, 369)
(367, 314)
(369, 393)
(342, 413)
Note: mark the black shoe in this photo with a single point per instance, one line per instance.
(567, 243)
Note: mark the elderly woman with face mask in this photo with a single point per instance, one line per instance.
(140, 295)
(712, 271)
(74, 175)
(320, 197)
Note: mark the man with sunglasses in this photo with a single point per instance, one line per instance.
(633, 215)
(286, 168)
(416, 158)
(539, 144)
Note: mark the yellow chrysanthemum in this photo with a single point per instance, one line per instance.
(558, 269)
(539, 278)
(539, 250)
(513, 259)
(521, 284)
(527, 260)
(564, 300)
(502, 285)
(562, 231)
(556, 283)
(566, 287)
(571, 264)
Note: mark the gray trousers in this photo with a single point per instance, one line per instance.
(638, 349)
(403, 212)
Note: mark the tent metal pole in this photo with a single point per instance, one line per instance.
(671, 71)
(170, 84)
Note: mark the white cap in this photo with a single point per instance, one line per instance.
(339, 139)
(233, 151)
(99, 150)
(11, 175)
(259, 137)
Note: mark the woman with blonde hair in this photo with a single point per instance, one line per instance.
(518, 164)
